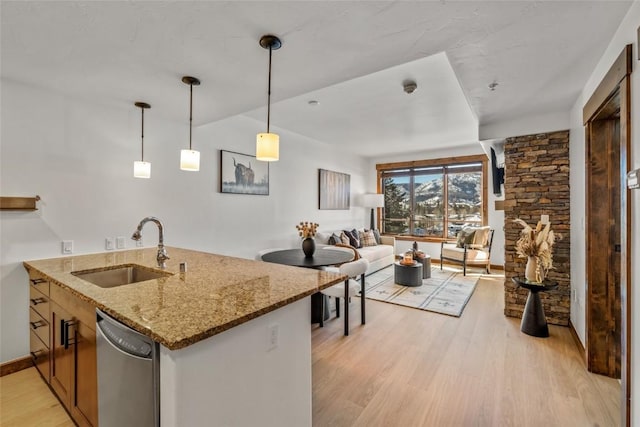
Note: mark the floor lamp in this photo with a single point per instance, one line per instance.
(373, 201)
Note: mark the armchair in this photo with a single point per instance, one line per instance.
(472, 248)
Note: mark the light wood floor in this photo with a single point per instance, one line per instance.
(25, 401)
(408, 367)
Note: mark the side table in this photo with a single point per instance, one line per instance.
(408, 275)
(534, 322)
(426, 266)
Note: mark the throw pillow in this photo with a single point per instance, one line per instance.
(368, 238)
(376, 234)
(356, 239)
(334, 239)
(465, 236)
(481, 237)
(344, 239)
(353, 237)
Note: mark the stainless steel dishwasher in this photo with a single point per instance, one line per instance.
(128, 375)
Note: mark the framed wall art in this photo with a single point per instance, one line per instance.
(243, 174)
(334, 190)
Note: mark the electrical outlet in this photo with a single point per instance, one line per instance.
(120, 242)
(139, 243)
(272, 336)
(67, 247)
(109, 244)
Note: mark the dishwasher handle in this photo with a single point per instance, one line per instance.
(124, 339)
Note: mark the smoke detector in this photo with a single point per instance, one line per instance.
(409, 86)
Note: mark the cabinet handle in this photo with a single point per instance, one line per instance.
(38, 324)
(65, 332)
(37, 281)
(62, 331)
(36, 301)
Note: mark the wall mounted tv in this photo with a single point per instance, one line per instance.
(497, 174)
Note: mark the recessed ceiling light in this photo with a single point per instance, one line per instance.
(313, 102)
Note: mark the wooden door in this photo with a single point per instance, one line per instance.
(85, 392)
(62, 360)
(603, 250)
(607, 117)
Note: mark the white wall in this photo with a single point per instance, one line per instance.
(496, 218)
(626, 34)
(78, 157)
(526, 125)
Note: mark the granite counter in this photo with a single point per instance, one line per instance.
(215, 294)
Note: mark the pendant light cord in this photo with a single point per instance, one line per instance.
(142, 133)
(190, 111)
(269, 93)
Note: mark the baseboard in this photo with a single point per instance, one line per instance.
(576, 339)
(15, 365)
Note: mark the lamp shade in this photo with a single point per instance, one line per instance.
(373, 200)
(190, 160)
(142, 169)
(268, 147)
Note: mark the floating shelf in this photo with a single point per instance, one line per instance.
(19, 203)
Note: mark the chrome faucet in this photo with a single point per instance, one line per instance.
(162, 252)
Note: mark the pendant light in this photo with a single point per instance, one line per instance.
(142, 169)
(268, 144)
(190, 159)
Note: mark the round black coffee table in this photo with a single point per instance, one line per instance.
(408, 275)
(534, 322)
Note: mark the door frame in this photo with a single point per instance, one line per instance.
(617, 79)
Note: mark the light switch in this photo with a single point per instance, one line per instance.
(109, 243)
(120, 242)
(67, 247)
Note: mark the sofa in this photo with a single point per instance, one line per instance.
(379, 255)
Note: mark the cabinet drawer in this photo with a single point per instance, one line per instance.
(40, 356)
(39, 302)
(39, 283)
(39, 326)
(82, 310)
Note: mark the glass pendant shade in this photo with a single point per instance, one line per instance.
(142, 169)
(268, 147)
(268, 144)
(190, 160)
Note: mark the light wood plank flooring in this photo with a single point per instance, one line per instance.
(25, 401)
(408, 367)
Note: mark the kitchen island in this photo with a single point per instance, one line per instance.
(234, 334)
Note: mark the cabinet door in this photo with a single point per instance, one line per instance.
(61, 359)
(85, 398)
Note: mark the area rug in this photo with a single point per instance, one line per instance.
(446, 292)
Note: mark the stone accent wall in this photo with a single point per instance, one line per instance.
(536, 183)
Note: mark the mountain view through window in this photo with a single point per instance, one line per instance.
(433, 201)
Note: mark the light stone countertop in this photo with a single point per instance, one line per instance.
(215, 294)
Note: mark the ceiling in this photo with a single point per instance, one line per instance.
(350, 56)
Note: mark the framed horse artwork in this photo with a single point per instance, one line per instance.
(243, 174)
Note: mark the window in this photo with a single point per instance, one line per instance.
(433, 199)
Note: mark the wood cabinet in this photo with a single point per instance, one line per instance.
(39, 327)
(63, 346)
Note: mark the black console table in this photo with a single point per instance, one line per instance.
(534, 322)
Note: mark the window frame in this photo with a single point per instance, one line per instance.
(442, 162)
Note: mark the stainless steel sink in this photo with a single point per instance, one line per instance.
(120, 275)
